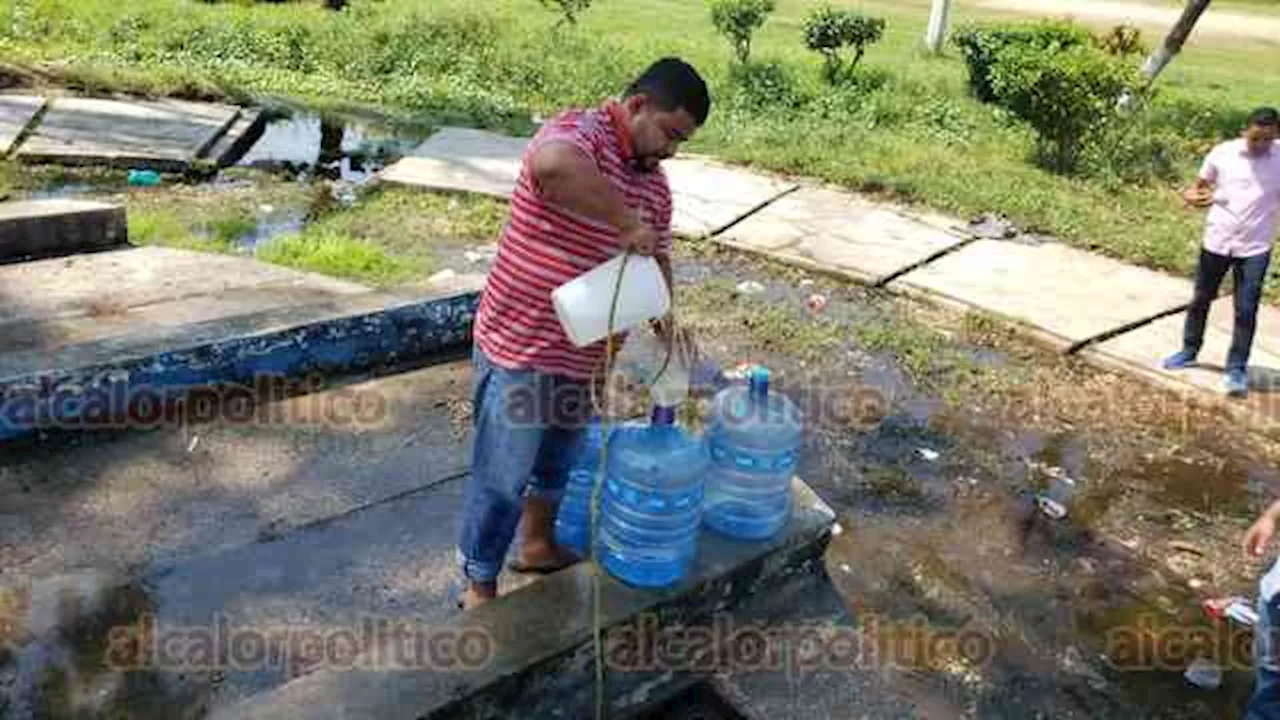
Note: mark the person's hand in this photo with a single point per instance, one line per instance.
(640, 239)
(1198, 196)
(1259, 536)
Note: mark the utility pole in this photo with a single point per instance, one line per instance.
(938, 25)
(1173, 42)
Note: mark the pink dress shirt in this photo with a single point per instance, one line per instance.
(1246, 200)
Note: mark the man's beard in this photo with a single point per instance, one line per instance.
(642, 164)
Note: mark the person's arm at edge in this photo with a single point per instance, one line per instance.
(1260, 534)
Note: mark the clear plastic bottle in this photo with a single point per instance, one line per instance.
(651, 504)
(644, 359)
(754, 440)
(573, 520)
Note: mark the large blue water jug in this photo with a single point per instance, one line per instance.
(754, 440)
(573, 520)
(651, 504)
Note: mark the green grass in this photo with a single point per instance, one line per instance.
(913, 134)
(340, 255)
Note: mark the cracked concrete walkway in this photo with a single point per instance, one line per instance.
(1114, 314)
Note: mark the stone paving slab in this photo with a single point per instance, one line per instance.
(707, 197)
(31, 229)
(1142, 350)
(463, 160)
(163, 134)
(16, 113)
(1068, 295)
(840, 231)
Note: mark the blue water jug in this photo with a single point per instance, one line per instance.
(573, 520)
(651, 504)
(754, 441)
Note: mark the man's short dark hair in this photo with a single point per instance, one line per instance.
(1265, 117)
(673, 84)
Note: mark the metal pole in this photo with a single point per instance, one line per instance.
(938, 25)
(1178, 35)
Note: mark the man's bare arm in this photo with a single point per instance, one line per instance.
(1200, 194)
(568, 177)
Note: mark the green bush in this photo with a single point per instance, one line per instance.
(738, 21)
(1068, 96)
(979, 45)
(763, 85)
(830, 32)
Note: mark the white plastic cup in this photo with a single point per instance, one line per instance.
(582, 304)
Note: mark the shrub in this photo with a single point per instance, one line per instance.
(569, 9)
(738, 20)
(762, 85)
(979, 45)
(830, 32)
(1068, 96)
(1123, 40)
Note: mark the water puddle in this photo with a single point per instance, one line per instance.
(348, 152)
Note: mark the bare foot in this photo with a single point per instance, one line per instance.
(543, 557)
(478, 594)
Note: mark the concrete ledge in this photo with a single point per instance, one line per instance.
(541, 659)
(126, 380)
(34, 229)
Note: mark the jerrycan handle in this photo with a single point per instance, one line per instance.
(662, 416)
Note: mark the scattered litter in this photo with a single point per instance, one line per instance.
(836, 529)
(1053, 509)
(1204, 674)
(1235, 607)
(816, 303)
(443, 276)
(1186, 547)
(845, 567)
(191, 446)
(144, 178)
(266, 209)
(992, 227)
(927, 454)
(750, 287)
(1195, 583)
(806, 283)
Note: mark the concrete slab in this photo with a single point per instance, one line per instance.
(708, 197)
(16, 113)
(839, 231)
(247, 129)
(538, 655)
(50, 228)
(1141, 351)
(132, 380)
(1067, 295)
(166, 135)
(463, 160)
(108, 283)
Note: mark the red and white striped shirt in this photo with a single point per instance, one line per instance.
(545, 245)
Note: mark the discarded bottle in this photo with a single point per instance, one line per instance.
(1204, 674)
(144, 178)
(651, 504)
(754, 439)
(573, 520)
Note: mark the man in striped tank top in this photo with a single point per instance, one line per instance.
(591, 187)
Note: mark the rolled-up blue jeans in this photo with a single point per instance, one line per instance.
(1265, 702)
(528, 428)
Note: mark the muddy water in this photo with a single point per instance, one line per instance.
(939, 524)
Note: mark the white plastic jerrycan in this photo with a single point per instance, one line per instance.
(582, 304)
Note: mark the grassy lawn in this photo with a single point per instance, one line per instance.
(907, 129)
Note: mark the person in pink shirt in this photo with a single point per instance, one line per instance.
(1240, 184)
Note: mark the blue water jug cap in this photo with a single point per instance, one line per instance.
(663, 415)
(759, 381)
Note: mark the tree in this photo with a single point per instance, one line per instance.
(1173, 42)
(738, 21)
(938, 19)
(828, 31)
